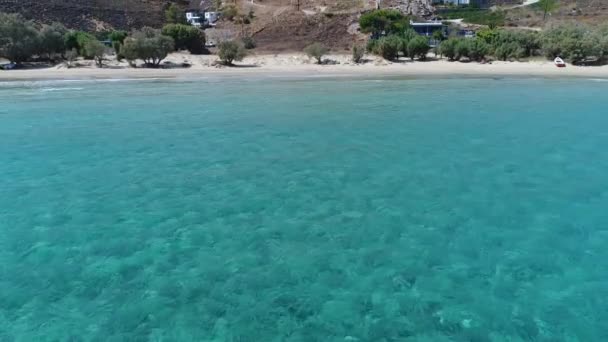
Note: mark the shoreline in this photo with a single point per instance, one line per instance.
(297, 66)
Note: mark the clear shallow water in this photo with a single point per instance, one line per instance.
(311, 210)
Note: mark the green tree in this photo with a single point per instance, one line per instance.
(77, 40)
(389, 47)
(478, 49)
(316, 51)
(573, 42)
(148, 45)
(462, 48)
(51, 40)
(406, 36)
(174, 15)
(96, 49)
(547, 6)
(448, 48)
(418, 47)
(186, 37)
(18, 38)
(117, 38)
(230, 51)
(383, 21)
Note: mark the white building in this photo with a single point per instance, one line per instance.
(194, 18)
(211, 17)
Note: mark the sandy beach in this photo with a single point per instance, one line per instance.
(299, 65)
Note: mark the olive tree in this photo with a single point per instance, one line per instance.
(18, 38)
(148, 45)
(52, 40)
(230, 51)
(96, 50)
(186, 37)
(316, 51)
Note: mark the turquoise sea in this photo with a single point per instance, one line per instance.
(275, 209)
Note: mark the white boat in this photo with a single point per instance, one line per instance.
(559, 62)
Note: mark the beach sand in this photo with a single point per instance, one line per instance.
(299, 65)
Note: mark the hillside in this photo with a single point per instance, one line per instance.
(278, 25)
(586, 11)
(90, 14)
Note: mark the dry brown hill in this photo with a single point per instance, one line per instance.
(90, 14)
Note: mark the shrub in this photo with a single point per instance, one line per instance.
(371, 45)
(18, 38)
(508, 51)
(148, 45)
(129, 51)
(406, 37)
(358, 54)
(230, 51)
(462, 48)
(387, 21)
(418, 47)
(316, 51)
(388, 47)
(575, 43)
(51, 40)
(249, 42)
(186, 37)
(478, 49)
(448, 48)
(95, 49)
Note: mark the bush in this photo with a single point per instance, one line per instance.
(478, 49)
(462, 48)
(358, 54)
(575, 43)
(186, 37)
(448, 48)
(371, 45)
(230, 51)
(316, 51)
(51, 40)
(406, 37)
(148, 45)
(389, 47)
(95, 49)
(249, 43)
(77, 40)
(387, 21)
(418, 47)
(18, 38)
(508, 51)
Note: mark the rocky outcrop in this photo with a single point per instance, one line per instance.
(420, 8)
